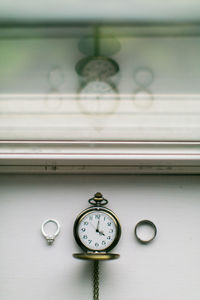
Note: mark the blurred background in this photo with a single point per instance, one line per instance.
(78, 70)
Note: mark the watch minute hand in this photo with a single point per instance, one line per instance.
(97, 229)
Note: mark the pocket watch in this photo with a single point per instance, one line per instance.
(97, 229)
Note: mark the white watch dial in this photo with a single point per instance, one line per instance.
(97, 230)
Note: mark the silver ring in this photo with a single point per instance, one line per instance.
(149, 223)
(50, 237)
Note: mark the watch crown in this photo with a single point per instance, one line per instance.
(98, 196)
(98, 200)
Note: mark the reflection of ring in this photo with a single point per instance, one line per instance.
(143, 98)
(151, 225)
(56, 77)
(50, 237)
(143, 77)
(53, 100)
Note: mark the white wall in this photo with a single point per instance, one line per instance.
(168, 268)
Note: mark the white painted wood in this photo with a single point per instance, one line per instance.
(167, 269)
(99, 157)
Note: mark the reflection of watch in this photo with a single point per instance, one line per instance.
(98, 97)
(97, 67)
(143, 77)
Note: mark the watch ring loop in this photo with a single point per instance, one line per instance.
(149, 223)
(50, 237)
(101, 202)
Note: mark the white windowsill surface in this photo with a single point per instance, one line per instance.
(100, 157)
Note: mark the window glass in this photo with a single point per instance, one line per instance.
(135, 83)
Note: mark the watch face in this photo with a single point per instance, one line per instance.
(97, 67)
(98, 97)
(97, 230)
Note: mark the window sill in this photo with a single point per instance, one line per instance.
(75, 157)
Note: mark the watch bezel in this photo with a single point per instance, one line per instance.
(83, 214)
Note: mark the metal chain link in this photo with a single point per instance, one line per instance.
(96, 280)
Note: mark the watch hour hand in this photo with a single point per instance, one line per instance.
(101, 233)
